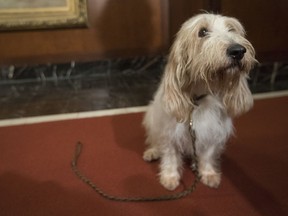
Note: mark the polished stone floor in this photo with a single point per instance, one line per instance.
(76, 87)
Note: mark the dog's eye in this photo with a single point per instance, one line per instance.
(203, 32)
(231, 30)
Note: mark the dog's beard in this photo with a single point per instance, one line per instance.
(225, 79)
(224, 73)
(234, 67)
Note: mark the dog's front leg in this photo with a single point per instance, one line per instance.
(170, 168)
(208, 166)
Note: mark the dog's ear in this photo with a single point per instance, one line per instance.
(178, 78)
(176, 81)
(239, 99)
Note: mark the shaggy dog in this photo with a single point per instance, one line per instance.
(205, 82)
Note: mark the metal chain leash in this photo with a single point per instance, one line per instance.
(175, 196)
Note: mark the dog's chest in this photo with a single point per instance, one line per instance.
(211, 122)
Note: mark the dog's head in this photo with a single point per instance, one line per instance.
(210, 51)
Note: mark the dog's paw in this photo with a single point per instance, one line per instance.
(211, 179)
(151, 154)
(169, 182)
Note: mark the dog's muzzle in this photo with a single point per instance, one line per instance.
(236, 52)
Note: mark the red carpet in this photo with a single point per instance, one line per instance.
(36, 178)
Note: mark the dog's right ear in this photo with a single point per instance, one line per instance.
(176, 81)
(177, 77)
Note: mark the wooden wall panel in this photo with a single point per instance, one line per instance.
(126, 27)
(141, 27)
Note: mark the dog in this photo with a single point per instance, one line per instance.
(205, 82)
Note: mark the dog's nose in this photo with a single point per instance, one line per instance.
(236, 51)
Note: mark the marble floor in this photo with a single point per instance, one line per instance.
(107, 84)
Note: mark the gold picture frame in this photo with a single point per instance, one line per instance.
(42, 14)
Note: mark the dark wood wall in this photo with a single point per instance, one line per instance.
(116, 28)
(145, 27)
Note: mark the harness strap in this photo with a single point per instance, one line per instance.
(196, 98)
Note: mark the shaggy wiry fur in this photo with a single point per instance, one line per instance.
(211, 57)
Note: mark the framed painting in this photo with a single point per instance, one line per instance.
(41, 14)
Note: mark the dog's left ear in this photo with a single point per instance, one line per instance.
(239, 99)
(176, 81)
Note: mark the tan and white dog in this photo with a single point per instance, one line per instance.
(205, 80)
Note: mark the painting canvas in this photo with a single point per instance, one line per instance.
(35, 14)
